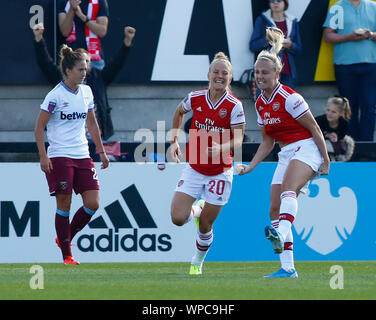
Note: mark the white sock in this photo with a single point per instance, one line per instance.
(195, 211)
(275, 223)
(287, 212)
(287, 256)
(203, 243)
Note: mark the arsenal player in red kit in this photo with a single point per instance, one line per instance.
(217, 129)
(284, 116)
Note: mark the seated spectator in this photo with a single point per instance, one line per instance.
(334, 126)
(83, 23)
(276, 16)
(97, 79)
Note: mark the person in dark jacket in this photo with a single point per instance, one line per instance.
(276, 16)
(96, 79)
(334, 126)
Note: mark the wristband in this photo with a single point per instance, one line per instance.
(102, 152)
(87, 20)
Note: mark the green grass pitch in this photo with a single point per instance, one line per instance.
(170, 281)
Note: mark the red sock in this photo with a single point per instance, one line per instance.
(79, 221)
(63, 233)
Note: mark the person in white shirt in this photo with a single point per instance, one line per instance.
(67, 163)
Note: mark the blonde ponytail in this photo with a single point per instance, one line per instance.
(275, 38)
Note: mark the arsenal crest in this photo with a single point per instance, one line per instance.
(275, 106)
(223, 113)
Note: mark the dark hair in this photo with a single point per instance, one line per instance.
(286, 2)
(69, 58)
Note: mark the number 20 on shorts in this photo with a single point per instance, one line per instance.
(217, 186)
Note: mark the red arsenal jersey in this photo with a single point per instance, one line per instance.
(280, 113)
(211, 122)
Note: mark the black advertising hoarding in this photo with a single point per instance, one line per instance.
(175, 40)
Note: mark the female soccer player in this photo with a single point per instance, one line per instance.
(67, 163)
(284, 116)
(217, 128)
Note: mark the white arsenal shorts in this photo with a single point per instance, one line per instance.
(212, 189)
(304, 150)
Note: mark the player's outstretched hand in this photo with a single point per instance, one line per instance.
(242, 168)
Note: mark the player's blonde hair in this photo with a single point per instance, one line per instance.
(275, 38)
(220, 56)
(69, 58)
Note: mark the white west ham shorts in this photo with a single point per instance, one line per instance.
(212, 189)
(304, 150)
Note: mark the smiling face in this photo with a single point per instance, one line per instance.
(219, 76)
(333, 113)
(266, 76)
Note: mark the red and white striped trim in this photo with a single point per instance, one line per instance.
(286, 194)
(286, 216)
(215, 106)
(275, 91)
(202, 248)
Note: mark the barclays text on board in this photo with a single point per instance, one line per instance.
(133, 222)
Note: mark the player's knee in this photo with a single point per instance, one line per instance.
(176, 218)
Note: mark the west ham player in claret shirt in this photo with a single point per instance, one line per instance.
(67, 163)
(217, 129)
(284, 116)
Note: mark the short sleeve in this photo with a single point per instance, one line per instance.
(91, 101)
(237, 115)
(296, 106)
(103, 9)
(327, 22)
(187, 106)
(88, 96)
(61, 4)
(259, 119)
(49, 103)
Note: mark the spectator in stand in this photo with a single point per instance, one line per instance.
(353, 33)
(83, 23)
(276, 16)
(334, 125)
(96, 79)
